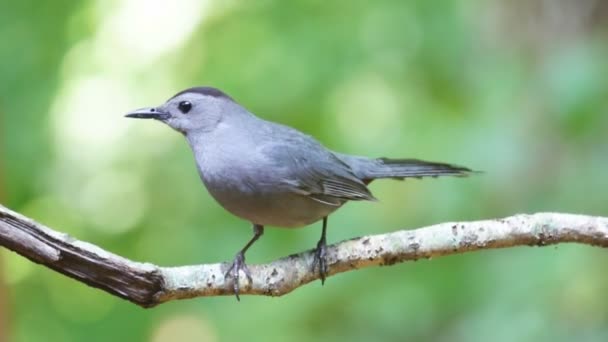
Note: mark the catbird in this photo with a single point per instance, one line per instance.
(273, 175)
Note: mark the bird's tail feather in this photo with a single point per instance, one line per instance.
(368, 169)
(410, 168)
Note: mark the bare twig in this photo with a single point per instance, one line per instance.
(148, 285)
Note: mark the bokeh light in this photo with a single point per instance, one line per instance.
(516, 89)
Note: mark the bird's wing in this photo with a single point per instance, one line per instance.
(328, 186)
(306, 167)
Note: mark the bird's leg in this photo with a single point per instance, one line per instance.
(321, 254)
(239, 261)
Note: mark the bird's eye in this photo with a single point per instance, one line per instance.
(184, 106)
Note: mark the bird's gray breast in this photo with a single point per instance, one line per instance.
(251, 184)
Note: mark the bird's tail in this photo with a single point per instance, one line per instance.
(369, 169)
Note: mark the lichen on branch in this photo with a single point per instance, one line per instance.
(148, 285)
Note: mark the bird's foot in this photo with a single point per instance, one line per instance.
(320, 259)
(233, 272)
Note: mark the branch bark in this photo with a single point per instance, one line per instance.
(148, 285)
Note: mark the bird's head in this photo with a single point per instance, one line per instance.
(193, 109)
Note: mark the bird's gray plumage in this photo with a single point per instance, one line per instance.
(271, 174)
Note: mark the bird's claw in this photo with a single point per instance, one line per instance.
(320, 259)
(233, 272)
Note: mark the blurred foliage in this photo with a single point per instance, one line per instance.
(517, 89)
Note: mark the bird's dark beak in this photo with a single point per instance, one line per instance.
(148, 113)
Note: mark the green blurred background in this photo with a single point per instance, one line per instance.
(518, 89)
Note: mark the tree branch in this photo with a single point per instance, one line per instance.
(148, 285)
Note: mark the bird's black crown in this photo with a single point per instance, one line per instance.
(208, 91)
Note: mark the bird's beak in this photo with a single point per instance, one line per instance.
(149, 113)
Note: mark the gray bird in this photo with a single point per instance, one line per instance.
(273, 175)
